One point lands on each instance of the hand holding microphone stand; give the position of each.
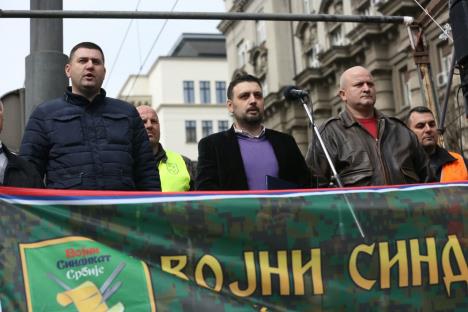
(292, 93)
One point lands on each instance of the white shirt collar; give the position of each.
(248, 134)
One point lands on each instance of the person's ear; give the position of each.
(230, 105)
(342, 95)
(67, 70)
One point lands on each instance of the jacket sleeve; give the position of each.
(35, 145)
(34, 179)
(145, 170)
(207, 168)
(316, 160)
(302, 173)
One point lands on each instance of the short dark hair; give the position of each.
(239, 79)
(86, 45)
(417, 109)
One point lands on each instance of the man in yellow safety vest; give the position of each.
(175, 171)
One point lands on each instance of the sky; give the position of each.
(14, 36)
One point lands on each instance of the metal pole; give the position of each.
(45, 76)
(204, 16)
(335, 173)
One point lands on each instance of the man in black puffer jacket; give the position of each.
(86, 140)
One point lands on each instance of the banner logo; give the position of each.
(79, 274)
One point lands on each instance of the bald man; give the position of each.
(366, 147)
(175, 171)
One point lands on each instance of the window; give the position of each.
(338, 8)
(445, 60)
(220, 92)
(223, 125)
(265, 88)
(336, 37)
(190, 131)
(260, 27)
(445, 56)
(307, 8)
(312, 60)
(364, 11)
(241, 54)
(189, 92)
(207, 128)
(205, 96)
(405, 87)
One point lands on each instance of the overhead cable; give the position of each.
(149, 52)
(120, 47)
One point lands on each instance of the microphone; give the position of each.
(293, 93)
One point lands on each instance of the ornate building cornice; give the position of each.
(237, 6)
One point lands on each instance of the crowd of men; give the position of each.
(86, 140)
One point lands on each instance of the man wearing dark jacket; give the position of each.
(86, 140)
(242, 157)
(367, 147)
(15, 171)
(447, 166)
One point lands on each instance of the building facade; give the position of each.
(187, 89)
(312, 55)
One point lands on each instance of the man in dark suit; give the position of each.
(242, 157)
(15, 171)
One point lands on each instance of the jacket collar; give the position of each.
(161, 154)
(77, 99)
(12, 160)
(348, 120)
(441, 157)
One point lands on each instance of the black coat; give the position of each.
(19, 172)
(220, 165)
(98, 145)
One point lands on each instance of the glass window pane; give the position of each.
(220, 92)
(223, 125)
(205, 96)
(189, 92)
(207, 127)
(191, 131)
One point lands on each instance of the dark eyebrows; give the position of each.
(247, 93)
(420, 124)
(95, 60)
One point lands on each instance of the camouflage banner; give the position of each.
(392, 249)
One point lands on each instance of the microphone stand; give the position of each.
(336, 176)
